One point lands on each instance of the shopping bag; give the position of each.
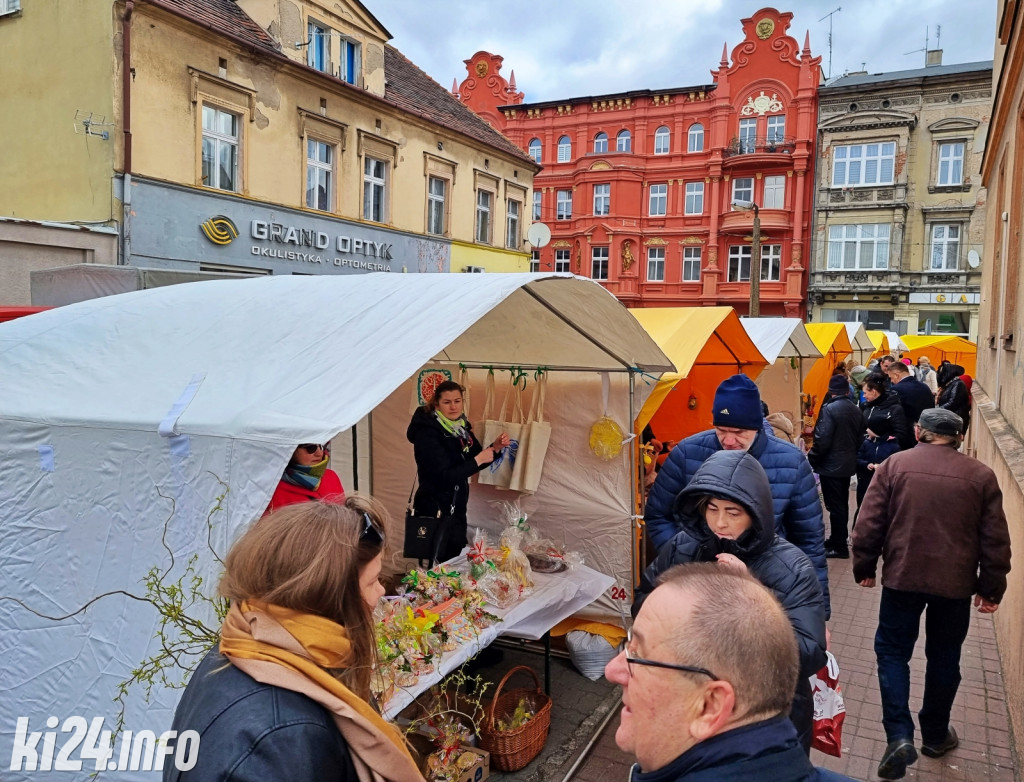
(499, 472)
(829, 709)
(425, 535)
(533, 444)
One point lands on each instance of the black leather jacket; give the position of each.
(837, 438)
(252, 732)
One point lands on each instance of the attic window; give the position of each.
(854, 107)
(954, 98)
(886, 103)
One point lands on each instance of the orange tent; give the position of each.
(833, 341)
(939, 348)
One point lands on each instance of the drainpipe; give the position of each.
(1001, 303)
(126, 124)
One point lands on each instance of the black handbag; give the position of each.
(425, 535)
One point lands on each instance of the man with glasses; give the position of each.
(707, 676)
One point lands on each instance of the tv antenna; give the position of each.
(85, 121)
(829, 16)
(927, 40)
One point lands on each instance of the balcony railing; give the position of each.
(760, 145)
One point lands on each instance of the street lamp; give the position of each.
(755, 257)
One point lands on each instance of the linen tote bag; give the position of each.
(499, 472)
(533, 447)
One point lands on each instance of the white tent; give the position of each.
(861, 343)
(784, 342)
(124, 420)
(895, 343)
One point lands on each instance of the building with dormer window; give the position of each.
(637, 187)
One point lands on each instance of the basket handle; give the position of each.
(501, 685)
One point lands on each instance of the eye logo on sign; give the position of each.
(219, 229)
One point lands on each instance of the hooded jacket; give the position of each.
(442, 467)
(782, 567)
(837, 438)
(795, 501)
(884, 417)
(915, 397)
(953, 393)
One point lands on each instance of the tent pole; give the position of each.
(634, 505)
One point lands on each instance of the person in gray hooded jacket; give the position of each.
(725, 516)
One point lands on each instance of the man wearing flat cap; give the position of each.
(935, 516)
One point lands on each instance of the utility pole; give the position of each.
(755, 267)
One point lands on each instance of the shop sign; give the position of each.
(947, 297)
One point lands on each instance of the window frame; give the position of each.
(747, 140)
(695, 138)
(537, 207)
(564, 149)
(662, 140)
(654, 261)
(772, 134)
(602, 199)
(560, 202)
(958, 150)
(218, 138)
(513, 223)
(624, 141)
(946, 243)
(484, 218)
(535, 149)
(318, 49)
(771, 254)
(657, 199)
(778, 192)
(376, 186)
(327, 169)
(835, 260)
(842, 155)
(601, 143)
(599, 263)
(749, 189)
(563, 258)
(738, 256)
(534, 260)
(692, 196)
(435, 200)
(691, 255)
(349, 60)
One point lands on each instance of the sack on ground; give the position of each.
(829, 709)
(590, 653)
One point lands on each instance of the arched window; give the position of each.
(623, 142)
(695, 138)
(535, 149)
(661, 141)
(601, 142)
(564, 150)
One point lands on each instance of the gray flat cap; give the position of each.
(941, 421)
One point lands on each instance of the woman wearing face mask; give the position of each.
(286, 693)
(447, 454)
(307, 478)
(726, 515)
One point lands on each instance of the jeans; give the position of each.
(946, 623)
(836, 493)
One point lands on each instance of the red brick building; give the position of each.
(637, 186)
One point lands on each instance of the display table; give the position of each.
(556, 596)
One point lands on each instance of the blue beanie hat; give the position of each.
(737, 404)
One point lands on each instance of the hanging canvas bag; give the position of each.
(499, 472)
(533, 446)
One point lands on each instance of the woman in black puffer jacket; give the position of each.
(953, 393)
(726, 515)
(886, 427)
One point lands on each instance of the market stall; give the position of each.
(896, 344)
(707, 345)
(785, 344)
(939, 348)
(833, 341)
(860, 343)
(880, 340)
(165, 418)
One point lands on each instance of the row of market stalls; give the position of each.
(149, 427)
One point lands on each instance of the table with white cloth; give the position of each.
(555, 596)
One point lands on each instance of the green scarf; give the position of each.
(458, 428)
(306, 476)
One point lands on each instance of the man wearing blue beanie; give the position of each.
(737, 418)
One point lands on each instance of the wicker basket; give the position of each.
(511, 750)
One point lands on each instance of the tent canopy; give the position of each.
(833, 340)
(707, 344)
(881, 343)
(860, 342)
(777, 338)
(785, 343)
(939, 348)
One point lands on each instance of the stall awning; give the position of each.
(779, 338)
(860, 342)
(833, 341)
(881, 343)
(939, 348)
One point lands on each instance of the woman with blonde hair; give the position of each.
(286, 694)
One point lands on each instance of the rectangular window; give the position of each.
(774, 192)
(658, 203)
(348, 65)
(748, 135)
(655, 264)
(537, 204)
(771, 262)
(691, 264)
(864, 164)
(483, 216)
(864, 246)
(739, 263)
(946, 247)
(375, 191)
(535, 261)
(319, 172)
(943, 322)
(599, 263)
(743, 190)
(318, 53)
(602, 199)
(437, 193)
(9, 6)
(512, 240)
(951, 164)
(561, 260)
(776, 129)
(694, 198)
(220, 149)
(563, 205)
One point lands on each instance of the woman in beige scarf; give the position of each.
(286, 695)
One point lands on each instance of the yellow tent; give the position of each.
(881, 343)
(939, 348)
(707, 345)
(833, 341)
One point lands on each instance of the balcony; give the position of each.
(759, 150)
(743, 222)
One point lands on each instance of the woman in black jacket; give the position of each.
(953, 393)
(447, 454)
(886, 428)
(726, 515)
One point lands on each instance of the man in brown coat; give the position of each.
(935, 516)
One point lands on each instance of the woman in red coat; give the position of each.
(307, 478)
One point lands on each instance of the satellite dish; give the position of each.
(538, 234)
(973, 259)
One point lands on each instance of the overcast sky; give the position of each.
(570, 48)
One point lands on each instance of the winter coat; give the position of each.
(927, 376)
(837, 437)
(954, 394)
(884, 417)
(443, 471)
(779, 565)
(329, 490)
(914, 397)
(762, 751)
(782, 426)
(935, 516)
(252, 732)
(798, 517)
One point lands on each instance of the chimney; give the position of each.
(933, 57)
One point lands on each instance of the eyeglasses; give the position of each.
(312, 448)
(631, 661)
(370, 533)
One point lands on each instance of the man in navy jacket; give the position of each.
(737, 418)
(915, 398)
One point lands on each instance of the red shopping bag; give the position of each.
(829, 709)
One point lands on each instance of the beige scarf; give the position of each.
(291, 649)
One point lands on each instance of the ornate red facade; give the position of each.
(637, 187)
